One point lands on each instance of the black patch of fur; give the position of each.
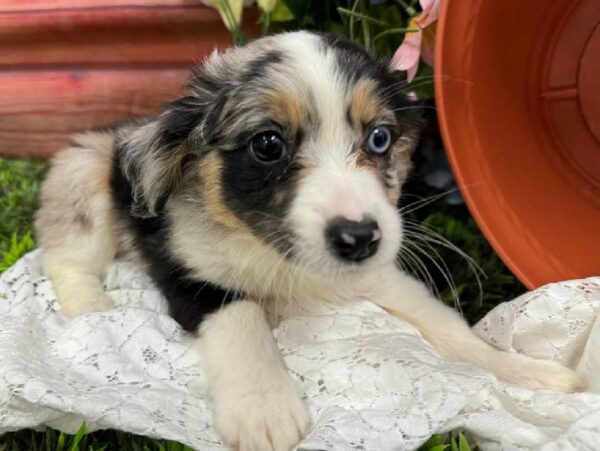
(260, 194)
(181, 117)
(257, 68)
(354, 62)
(189, 299)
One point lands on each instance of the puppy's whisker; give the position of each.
(433, 237)
(415, 107)
(420, 268)
(437, 238)
(413, 206)
(441, 266)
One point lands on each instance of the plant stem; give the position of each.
(393, 31)
(234, 27)
(364, 17)
(351, 20)
(410, 9)
(266, 23)
(366, 30)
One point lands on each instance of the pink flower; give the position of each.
(418, 43)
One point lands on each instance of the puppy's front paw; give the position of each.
(533, 373)
(78, 296)
(262, 419)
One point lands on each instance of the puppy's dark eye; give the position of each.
(267, 147)
(379, 140)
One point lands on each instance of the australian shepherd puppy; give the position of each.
(272, 186)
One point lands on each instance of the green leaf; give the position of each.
(61, 442)
(463, 444)
(77, 437)
(281, 13)
(433, 441)
(453, 444)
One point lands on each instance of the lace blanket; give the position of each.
(371, 382)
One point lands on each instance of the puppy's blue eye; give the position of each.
(267, 147)
(379, 140)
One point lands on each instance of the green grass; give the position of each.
(51, 440)
(19, 185)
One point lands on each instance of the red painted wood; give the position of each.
(39, 110)
(54, 5)
(69, 65)
(125, 34)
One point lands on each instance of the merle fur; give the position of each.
(189, 299)
(250, 188)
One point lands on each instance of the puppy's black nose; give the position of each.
(351, 240)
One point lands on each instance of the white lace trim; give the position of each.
(371, 382)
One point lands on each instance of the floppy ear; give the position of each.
(152, 155)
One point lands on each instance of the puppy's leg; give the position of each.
(444, 328)
(256, 403)
(76, 269)
(75, 225)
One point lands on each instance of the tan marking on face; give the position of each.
(401, 160)
(400, 165)
(287, 108)
(364, 105)
(364, 161)
(210, 175)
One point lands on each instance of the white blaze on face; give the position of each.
(333, 186)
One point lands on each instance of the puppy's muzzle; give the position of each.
(353, 241)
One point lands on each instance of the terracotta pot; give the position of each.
(518, 96)
(69, 66)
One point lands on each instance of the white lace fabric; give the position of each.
(370, 381)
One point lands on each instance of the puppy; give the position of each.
(272, 185)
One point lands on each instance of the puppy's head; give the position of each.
(300, 140)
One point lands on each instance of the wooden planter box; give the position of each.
(68, 66)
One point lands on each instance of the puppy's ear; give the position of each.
(152, 155)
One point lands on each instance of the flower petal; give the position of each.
(412, 72)
(431, 9)
(235, 6)
(408, 53)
